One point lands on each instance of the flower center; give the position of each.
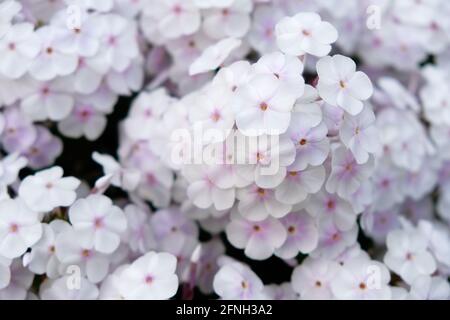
(98, 223)
(84, 114)
(261, 192)
(45, 91)
(244, 285)
(291, 229)
(112, 40)
(362, 286)
(151, 180)
(385, 183)
(330, 204)
(318, 284)
(49, 50)
(148, 279)
(259, 156)
(256, 228)
(12, 46)
(34, 151)
(342, 84)
(302, 142)
(263, 106)
(14, 228)
(86, 253)
(177, 9)
(306, 33)
(434, 26)
(215, 116)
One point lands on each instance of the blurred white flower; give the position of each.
(98, 222)
(305, 33)
(47, 190)
(20, 228)
(341, 85)
(151, 276)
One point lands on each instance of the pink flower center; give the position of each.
(148, 279)
(434, 26)
(84, 114)
(81, 63)
(98, 223)
(263, 106)
(34, 151)
(331, 204)
(177, 9)
(215, 116)
(336, 236)
(86, 253)
(259, 156)
(12, 46)
(261, 193)
(385, 183)
(148, 113)
(112, 41)
(45, 91)
(13, 228)
(268, 33)
(151, 180)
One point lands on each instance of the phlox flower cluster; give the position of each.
(312, 134)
